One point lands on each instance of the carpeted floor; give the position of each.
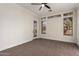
(42, 47)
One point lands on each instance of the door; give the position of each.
(34, 28)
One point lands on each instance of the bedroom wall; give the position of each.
(78, 26)
(16, 25)
(54, 30)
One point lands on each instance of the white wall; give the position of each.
(16, 25)
(54, 30)
(78, 26)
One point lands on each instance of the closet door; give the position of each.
(55, 28)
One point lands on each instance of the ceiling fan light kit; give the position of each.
(43, 5)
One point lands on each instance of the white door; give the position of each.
(55, 28)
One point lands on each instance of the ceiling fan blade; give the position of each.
(35, 3)
(47, 6)
(40, 8)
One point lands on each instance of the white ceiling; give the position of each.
(56, 7)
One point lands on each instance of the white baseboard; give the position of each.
(15, 45)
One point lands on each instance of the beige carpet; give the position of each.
(42, 47)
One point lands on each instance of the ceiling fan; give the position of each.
(42, 5)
